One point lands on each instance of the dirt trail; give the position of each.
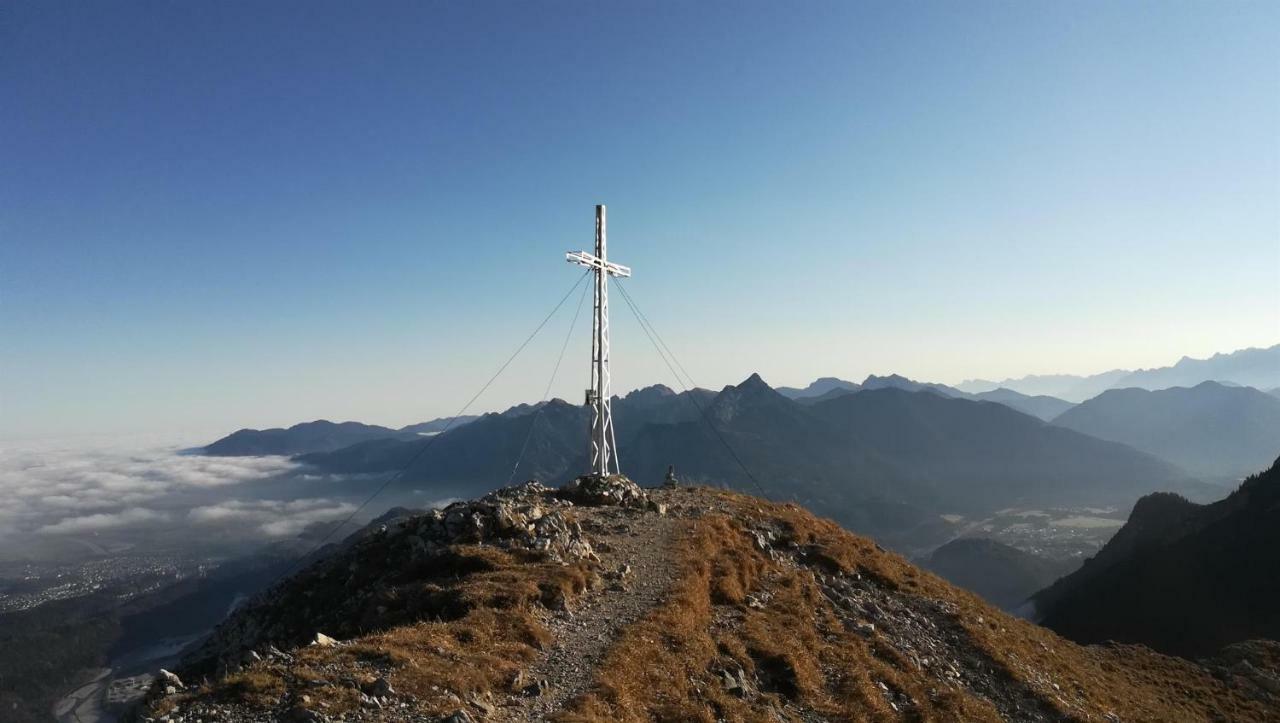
(639, 543)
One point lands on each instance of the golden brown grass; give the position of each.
(436, 662)
(666, 667)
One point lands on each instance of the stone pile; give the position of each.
(530, 516)
(595, 490)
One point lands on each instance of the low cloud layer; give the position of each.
(274, 518)
(103, 521)
(61, 490)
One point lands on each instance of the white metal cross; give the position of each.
(602, 446)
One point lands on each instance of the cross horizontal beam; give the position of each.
(595, 262)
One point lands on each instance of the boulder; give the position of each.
(170, 679)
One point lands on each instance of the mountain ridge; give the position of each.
(320, 435)
(884, 461)
(1213, 431)
(670, 604)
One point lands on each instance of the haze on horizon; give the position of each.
(239, 215)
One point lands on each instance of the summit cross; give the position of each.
(602, 447)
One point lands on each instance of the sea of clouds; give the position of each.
(88, 486)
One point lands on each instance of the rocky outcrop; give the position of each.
(581, 604)
(390, 574)
(595, 490)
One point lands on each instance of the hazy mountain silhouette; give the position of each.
(318, 436)
(1003, 575)
(1044, 407)
(819, 387)
(1182, 578)
(1210, 430)
(1041, 406)
(1258, 368)
(897, 381)
(321, 436)
(1070, 387)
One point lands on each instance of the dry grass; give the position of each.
(254, 687)
(492, 632)
(667, 667)
(797, 646)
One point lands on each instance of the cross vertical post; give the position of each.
(602, 445)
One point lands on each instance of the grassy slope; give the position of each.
(660, 669)
(803, 652)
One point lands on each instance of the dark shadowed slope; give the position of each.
(1210, 430)
(1002, 575)
(1182, 578)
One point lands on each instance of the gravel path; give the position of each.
(635, 550)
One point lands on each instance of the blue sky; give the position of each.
(216, 215)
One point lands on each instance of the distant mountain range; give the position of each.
(886, 456)
(1182, 578)
(1069, 387)
(1044, 407)
(1257, 368)
(318, 436)
(1003, 575)
(819, 387)
(882, 460)
(1210, 430)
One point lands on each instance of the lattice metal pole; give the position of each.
(602, 444)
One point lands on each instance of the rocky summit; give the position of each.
(600, 601)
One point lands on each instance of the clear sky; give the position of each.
(225, 214)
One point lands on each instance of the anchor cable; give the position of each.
(659, 345)
(423, 450)
(547, 393)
